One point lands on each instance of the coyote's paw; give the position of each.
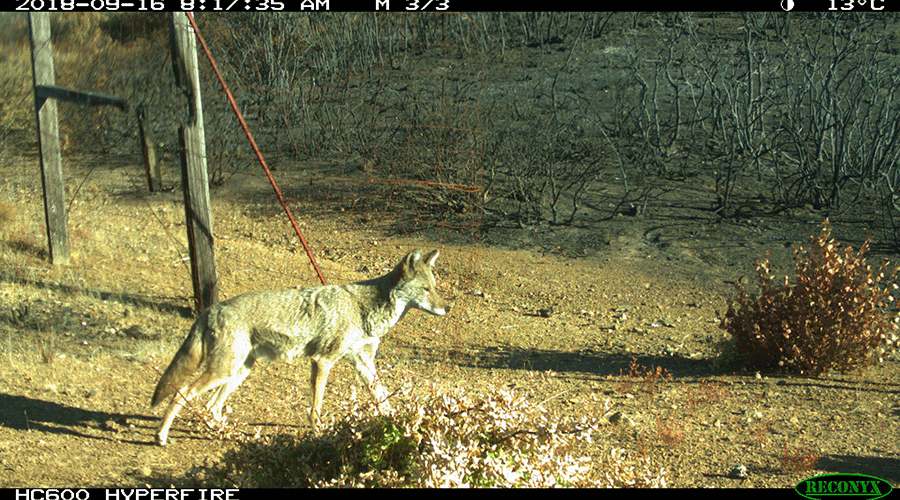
(214, 423)
(383, 407)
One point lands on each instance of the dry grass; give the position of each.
(643, 379)
(798, 459)
(440, 439)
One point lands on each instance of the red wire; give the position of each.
(259, 155)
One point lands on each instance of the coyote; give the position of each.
(325, 323)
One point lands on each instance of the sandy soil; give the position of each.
(575, 316)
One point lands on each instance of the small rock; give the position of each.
(738, 472)
(621, 418)
(136, 332)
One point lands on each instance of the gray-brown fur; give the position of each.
(324, 323)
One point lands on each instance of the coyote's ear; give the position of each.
(409, 263)
(431, 257)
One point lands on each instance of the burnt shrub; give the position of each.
(836, 314)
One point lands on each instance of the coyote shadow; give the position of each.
(887, 468)
(585, 363)
(28, 414)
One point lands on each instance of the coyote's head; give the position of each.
(416, 286)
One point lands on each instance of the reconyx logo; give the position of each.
(828, 486)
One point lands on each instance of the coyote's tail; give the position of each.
(183, 365)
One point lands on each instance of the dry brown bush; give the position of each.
(835, 315)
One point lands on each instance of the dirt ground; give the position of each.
(575, 316)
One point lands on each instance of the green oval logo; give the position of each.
(828, 486)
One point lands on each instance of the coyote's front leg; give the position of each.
(364, 362)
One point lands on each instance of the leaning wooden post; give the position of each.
(48, 139)
(193, 165)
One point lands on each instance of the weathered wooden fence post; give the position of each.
(193, 164)
(48, 139)
(45, 96)
(151, 163)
